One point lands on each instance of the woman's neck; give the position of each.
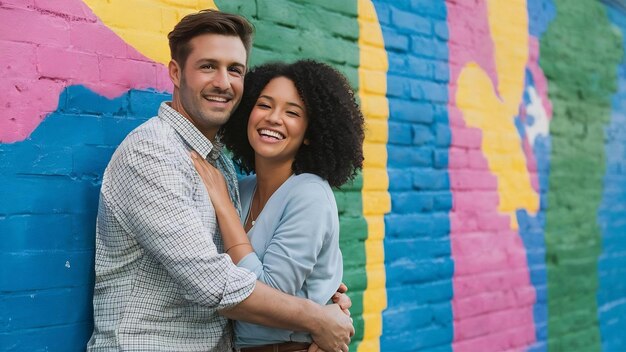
(269, 177)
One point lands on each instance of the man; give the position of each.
(162, 282)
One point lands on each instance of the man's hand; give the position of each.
(334, 331)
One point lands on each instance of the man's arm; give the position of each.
(330, 328)
(151, 191)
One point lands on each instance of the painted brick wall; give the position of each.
(490, 212)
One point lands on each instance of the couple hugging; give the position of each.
(182, 246)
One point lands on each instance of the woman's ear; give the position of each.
(306, 141)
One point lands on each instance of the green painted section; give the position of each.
(579, 54)
(324, 30)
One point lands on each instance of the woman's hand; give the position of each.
(213, 180)
(235, 238)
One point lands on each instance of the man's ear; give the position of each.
(175, 73)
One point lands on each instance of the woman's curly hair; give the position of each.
(335, 123)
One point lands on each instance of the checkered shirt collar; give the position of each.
(189, 132)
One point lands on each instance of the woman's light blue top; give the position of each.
(296, 248)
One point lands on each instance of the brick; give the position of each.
(440, 159)
(410, 22)
(347, 8)
(476, 200)
(22, 4)
(399, 133)
(411, 202)
(432, 292)
(416, 248)
(18, 60)
(128, 73)
(473, 180)
(417, 340)
(409, 156)
(96, 38)
(429, 91)
(443, 201)
(282, 12)
(45, 308)
(429, 47)
(409, 111)
(34, 159)
(54, 338)
(422, 135)
(55, 62)
(395, 41)
(441, 71)
(470, 138)
(441, 30)
(63, 269)
(408, 318)
(399, 179)
(75, 10)
(429, 8)
(406, 272)
(29, 26)
(397, 87)
(443, 136)
(431, 180)
(27, 195)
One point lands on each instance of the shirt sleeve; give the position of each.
(300, 235)
(152, 193)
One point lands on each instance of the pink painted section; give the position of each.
(493, 296)
(47, 46)
(540, 80)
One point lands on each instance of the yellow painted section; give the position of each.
(493, 109)
(376, 199)
(144, 24)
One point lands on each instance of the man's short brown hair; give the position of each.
(207, 22)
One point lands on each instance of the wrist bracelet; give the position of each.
(235, 245)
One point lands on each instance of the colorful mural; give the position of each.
(489, 215)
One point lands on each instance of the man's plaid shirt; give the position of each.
(161, 275)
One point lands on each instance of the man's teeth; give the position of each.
(271, 133)
(218, 99)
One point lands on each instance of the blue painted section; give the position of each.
(540, 14)
(532, 226)
(49, 186)
(418, 262)
(612, 214)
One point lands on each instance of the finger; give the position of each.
(342, 288)
(347, 312)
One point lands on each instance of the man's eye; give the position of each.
(207, 67)
(236, 70)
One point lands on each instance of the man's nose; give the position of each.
(221, 79)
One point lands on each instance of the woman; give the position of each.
(299, 129)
